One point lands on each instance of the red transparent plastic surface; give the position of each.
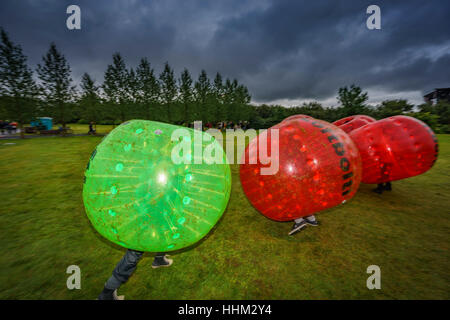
(351, 123)
(297, 116)
(395, 148)
(319, 168)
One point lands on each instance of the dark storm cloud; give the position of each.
(280, 49)
(295, 50)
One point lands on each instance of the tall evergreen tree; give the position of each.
(16, 82)
(202, 91)
(186, 94)
(116, 87)
(218, 97)
(169, 89)
(133, 93)
(242, 99)
(218, 87)
(241, 95)
(91, 108)
(148, 88)
(228, 91)
(202, 87)
(56, 84)
(227, 99)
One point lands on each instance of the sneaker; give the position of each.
(388, 186)
(116, 297)
(314, 223)
(161, 262)
(108, 295)
(297, 227)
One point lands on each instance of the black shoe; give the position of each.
(379, 189)
(108, 294)
(297, 227)
(161, 262)
(388, 186)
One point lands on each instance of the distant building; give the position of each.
(442, 94)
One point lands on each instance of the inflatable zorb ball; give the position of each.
(297, 116)
(136, 196)
(351, 123)
(319, 167)
(395, 148)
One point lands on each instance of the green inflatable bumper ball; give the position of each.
(148, 187)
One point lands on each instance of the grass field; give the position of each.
(77, 128)
(44, 229)
(84, 128)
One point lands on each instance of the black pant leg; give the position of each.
(124, 269)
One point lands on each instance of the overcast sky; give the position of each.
(286, 52)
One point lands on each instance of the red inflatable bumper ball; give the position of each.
(297, 116)
(395, 148)
(313, 166)
(351, 123)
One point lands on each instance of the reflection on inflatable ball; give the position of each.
(137, 197)
(297, 116)
(395, 148)
(351, 123)
(319, 167)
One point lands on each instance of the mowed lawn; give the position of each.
(77, 128)
(44, 229)
(84, 128)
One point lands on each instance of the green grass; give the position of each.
(43, 230)
(77, 128)
(84, 128)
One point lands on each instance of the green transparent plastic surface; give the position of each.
(138, 198)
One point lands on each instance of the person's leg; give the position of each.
(379, 189)
(123, 270)
(388, 186)
(161, 261)
(299, 224)
(311, 220)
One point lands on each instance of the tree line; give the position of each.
(352, 101)
(125, 93)
(139, 93)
